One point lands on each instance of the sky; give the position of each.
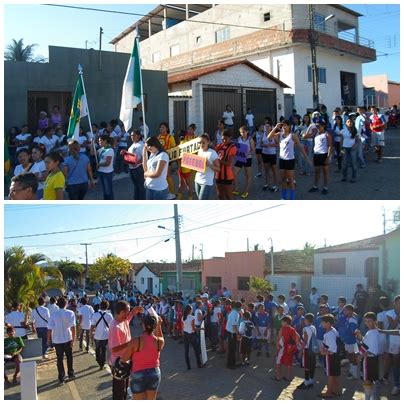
(46, 25)
(290, 226)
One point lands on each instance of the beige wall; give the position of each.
(394, 93)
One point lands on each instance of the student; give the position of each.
(24, 158)
(85, 314)
(231, 334)
(281, 302)
(228, 117)
(393, 317)
(323, 310)
(377, 126)
(270, 149)
(298, 320)
(39, 168)
(249, 121)
(245, 330)
(279, 314)
(314, 299)
(258, 137)
(310, 349)
(349, 145)
(332, 363)
(263, 329)
(190, 336)
(40, 318)
(55, 180)
(383, 324)
(13, 347)
(105, 166)
(369, 350)
(214, 324)
(339, 313)
(18, 320)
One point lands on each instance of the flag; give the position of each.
(78, 111)
(131, 89)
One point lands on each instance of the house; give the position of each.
(33, 87)
(381, 91)
(275, 37)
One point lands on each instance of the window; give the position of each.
(142, 281)
(243, 282)
(174, 50)
(222, 35)
(267, 17)
(334, 266)
(172, 283)
(188, 283)
(214, 283)
(198, 39)
(156, 57)
(322, 74)
(319, 22)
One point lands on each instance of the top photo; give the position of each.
(202, 102)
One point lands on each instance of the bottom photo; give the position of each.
(202, 301)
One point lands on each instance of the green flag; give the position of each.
(78, 111)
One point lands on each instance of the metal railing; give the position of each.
(350, 37)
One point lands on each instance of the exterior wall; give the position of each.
(393, 260)
(104, 88)
(281, 284)
(196, 276)
(146, 273)
(233, 265)
(381, 85)
(394, 94)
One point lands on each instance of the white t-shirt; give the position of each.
(39, 167)
(40, 322)
(15, 318)
(197, 313)
(314, 299)
(23, 137)
(330, 340)
(228, 117)
(250, 119)
(52, 308)
(20, 169)
(311, 332)
(102, 157)
(49, 143)
(83, 139)
(86, 312)
(371, 339)
(60, 323)
(347, 138)
(394, 340)
(285, 308)
(137, 149)
(101, 332)
(123, 141)
(207, 177)
(188, 324)
(214, 318)
(159, 183)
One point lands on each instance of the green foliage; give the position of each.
(259, 285)
(70, 269)
(17, 52)
(308, 249)
(24, 279)
(108, 268)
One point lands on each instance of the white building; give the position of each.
(146, 279)
(179, 38)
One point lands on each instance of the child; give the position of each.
(286, 345)
(347, 331)
(297, 303)
(298, 321)
(339, 313)
(55, 181)
(393, 317)
(383, 324)
(369, 349)
(245, 331)
(332, 363)
(323, 310)
(278, 319)
(263, 330)
(281, 302)
(309, 355)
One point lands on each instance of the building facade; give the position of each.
(381, 91)
(274, 37)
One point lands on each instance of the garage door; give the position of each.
(180, 116)
(262, 104)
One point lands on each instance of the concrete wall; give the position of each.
(394, 94)
(104, 88)
(281, 284)
(393, 260)
(145, 273)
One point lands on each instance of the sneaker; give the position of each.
(171, 196)
(324, 191)
(265, 187)
(236, 193)
(244, 195)
(274, 189)
(313, 189)
(72, 376)
(258, 175)
(395, 391)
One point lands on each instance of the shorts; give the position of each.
(352, 348)
(332, 365)
(394, 346)
(144, 380)
(370, 368)
(14, 358)
(269, 159)
(308, 359)
(286, 164)
(245, 346)
(248, 163)
(224, 182)
(261, 331)
(258, 151)
(319, 159)
(377, 139)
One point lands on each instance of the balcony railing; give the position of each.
(350, 37)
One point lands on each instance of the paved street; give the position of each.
(375, 182)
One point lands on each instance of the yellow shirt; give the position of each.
(167, 141)
(53, 182)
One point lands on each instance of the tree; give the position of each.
(69, 269)
(109, 268)
(259, 285)
(308, 249)
(17, 52)
(25, 279)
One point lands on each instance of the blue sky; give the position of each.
(290, 226)
(45, 25)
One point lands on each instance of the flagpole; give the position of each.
(88, 111)
(141, 85)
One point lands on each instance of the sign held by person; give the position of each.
(193, 162)
(188, 147)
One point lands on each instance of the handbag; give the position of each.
(121, 370)
(130, 158)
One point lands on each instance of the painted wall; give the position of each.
(195, 276)
(393, 260)
(394, 94)
(145, 273)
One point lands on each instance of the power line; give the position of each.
(145, 249)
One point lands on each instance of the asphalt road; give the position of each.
(374, 182)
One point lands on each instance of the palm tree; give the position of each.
(17, 52)
(24, 279)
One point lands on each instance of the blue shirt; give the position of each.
(347, 330)
(232, 320)
(77, 169)
(340, 316)
(262, 320)
(270, 306)
(319, 330)
(293, 309)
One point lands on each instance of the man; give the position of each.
(40, 319)
(17, 320)
(12, 348)
(226, 293)
(62, 330)
(377, 126)
(85, 313)
(231, 334)
(52, 306)
(361, 122)
(99, 328)
(314, 298)
(119, 336)
(23, 187)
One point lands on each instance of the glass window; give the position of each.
(334, 266)
(319, 22)
(222, 35)
(322, 74)
(243, 282)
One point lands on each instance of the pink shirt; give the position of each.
(119, 333)
(148, 357)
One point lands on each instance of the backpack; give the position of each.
(313, 346)
(249, 326)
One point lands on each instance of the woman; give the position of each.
(287, 142)
(105, 166)
(55, 180)
(247, 143)
(186, 175)
(258, 135)
(338, 128)
(228, 117)
(78, 172)
(349, 144)
(219, 132)
(145, 354)
(323, 147)
(25, 166)
(224, 178)
(155, 169)
(136, 168)
(204, 181)
(190, 336)
(269, 153)
(39, 168)
(307, 144)
(43, 121)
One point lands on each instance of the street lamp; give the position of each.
(272, 256)
(314, 68)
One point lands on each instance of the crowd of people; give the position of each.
(296, 336)
(46, 163)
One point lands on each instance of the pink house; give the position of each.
(387, 92)
(233, 271)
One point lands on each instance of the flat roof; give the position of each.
(346, 9)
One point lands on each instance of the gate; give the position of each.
(180, 116)
(262, 104)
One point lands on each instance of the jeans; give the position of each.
(87, 339)
(153, 195)
(106, 183)
(191, 339)
(42, 332)
(119, 162)
(137, 177)
(61, 350)
(349, 161)
(214, 335)
(101, 351)
(77, 191)
(119, 389)
(337, 147)
(203, 191)
(231, 348)
(145, 380)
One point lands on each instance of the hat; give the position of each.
(205, 295)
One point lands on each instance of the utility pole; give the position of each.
(314, 69)
(99, 61)
(384, 253)
(202, 257)
(192, 255)
(178, 249)
(86, 270)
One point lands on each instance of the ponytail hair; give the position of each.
(150, 324)
(187, 311)
(55, 156)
